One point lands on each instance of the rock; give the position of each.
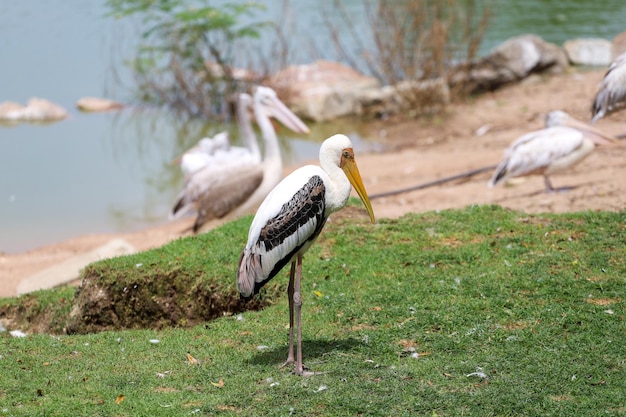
(426, 96)
(10, 110)
(95, 104)
(511, 61)
(70, 269)
(36, 110)
(39, 109)
(379, 102)
(323, 90)
(590, 51)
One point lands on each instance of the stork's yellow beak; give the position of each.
(352, 172)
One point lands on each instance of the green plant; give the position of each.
(185, 60)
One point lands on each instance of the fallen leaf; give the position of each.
(120, 398)
(192, 360)
(407, 343)
(402, 323)
(226, 408)
(317, 293)
(219, 384)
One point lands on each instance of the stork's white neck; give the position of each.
(338, 190)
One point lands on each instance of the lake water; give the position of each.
(95, 173)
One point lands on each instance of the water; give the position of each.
(556, 20)
(95, 173)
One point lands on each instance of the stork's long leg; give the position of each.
(290, 293)
(297, 298)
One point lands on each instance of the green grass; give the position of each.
(510, 314)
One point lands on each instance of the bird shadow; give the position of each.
(543, 191)
(312, 351)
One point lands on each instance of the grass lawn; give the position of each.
(474, 312)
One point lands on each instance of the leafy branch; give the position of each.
(185, 60)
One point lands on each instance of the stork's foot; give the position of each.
(306, 372)
(288, 362)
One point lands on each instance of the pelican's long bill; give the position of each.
(278, 110)
(349, 167)
(598, 137)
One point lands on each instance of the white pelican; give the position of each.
(290, 219)
(203, 153)
(611, 95)
(561, 118)
(217, 151)
(562, 144)
(236, 180)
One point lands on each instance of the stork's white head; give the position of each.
(331, 149)
(336, 152)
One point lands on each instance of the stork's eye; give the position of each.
(346, 154)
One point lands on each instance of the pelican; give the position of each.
(611, 95)
(203, 153)
(236, 179)
(561, 118)
(562, 144)
(217, 151)
(290, 219)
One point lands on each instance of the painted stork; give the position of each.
(562, 144)
(235, 179)
(290, 219)
(611, 95)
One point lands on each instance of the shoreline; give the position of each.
(16, 267)
(469, 135)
